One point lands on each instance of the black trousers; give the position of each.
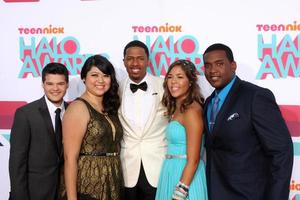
(143, 190)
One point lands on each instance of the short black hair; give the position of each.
(136, 43)
(55, 68)
(219, 46)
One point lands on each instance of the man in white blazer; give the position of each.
(144, 122)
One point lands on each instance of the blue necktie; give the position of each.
(214, 112)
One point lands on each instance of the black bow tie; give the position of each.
(134, 87)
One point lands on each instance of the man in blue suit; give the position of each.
(249, 148)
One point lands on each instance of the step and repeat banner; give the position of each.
(264, 37)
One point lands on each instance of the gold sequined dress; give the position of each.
(99, 167)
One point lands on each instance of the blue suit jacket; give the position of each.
(249, 151)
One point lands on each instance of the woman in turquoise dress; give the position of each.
(183, 171)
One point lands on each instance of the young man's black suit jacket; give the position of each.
(35, 158)
(249, 151)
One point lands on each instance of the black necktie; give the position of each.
(58, 128)
(134, 87)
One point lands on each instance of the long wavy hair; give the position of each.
(194, 93)
(111, 99)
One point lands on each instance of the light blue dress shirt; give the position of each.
(222, 94)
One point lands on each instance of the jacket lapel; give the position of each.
(156, 102)
(66, 105)
(122, 116)
(228, 103)
(208, 100)
(47, 119)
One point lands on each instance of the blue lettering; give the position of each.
(262, 46)
(267, 67)
(44, 47)
(30, 48)
(287, 45)
(62, 46)
(28, 67)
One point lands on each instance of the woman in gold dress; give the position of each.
(91, 136)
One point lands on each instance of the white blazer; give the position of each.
(148, 146)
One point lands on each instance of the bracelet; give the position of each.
(178, 195)
(180, 192)
(183, 186)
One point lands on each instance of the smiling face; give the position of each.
(218, 69)
(55, 87)
(178, 83)
(136, 62)
(96, 82)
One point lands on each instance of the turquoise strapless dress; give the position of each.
(172, 168)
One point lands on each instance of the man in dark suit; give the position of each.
(36, 147)
(249, 148)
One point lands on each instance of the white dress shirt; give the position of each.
(138, 105)
(52, 108)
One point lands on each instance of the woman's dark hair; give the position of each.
(111, 99)
(194, 90)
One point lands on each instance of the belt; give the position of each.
(169, 156)
(100, 154)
